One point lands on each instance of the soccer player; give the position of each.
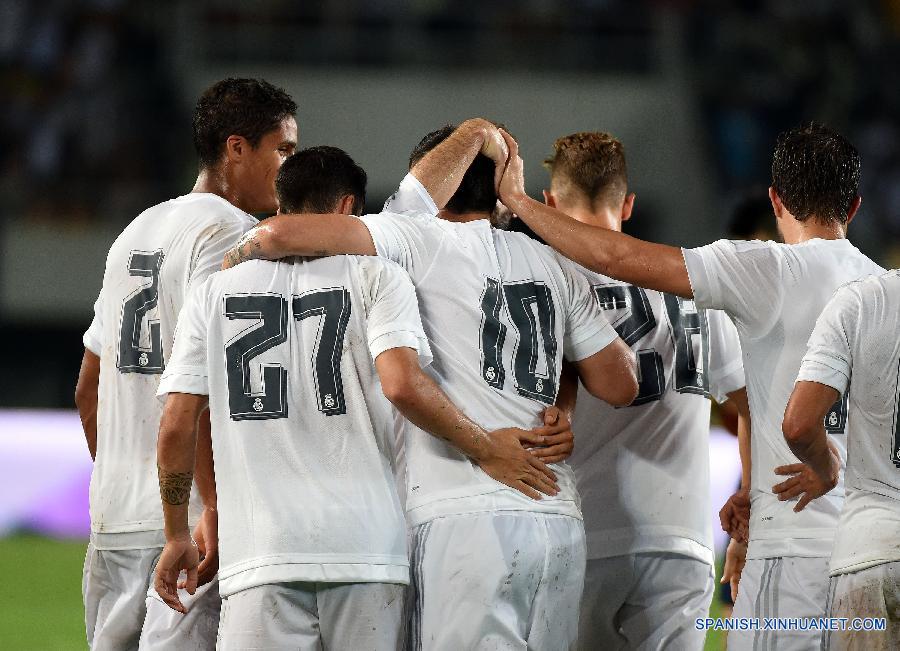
(243, 130)
(490, 567)
(643, 470)
(854, 347)
(773, 293)
(313, 539)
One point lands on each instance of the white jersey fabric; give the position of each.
(643, 470)
(300, 428)
(500, 311)
(774, 293)
(855, 344)
(150, 268)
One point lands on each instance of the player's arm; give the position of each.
(499, 453)
(559, 440)
(440, 171)
(86, 398)
(175, 452)
(206, 533)
(734, 516)
(610, 374)
(645, 264)
(804, 430)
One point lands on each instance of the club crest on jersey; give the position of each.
(832, 419)
(539, 386)
(490, 374)
(143, 360)
(329, 400)
(258, 404)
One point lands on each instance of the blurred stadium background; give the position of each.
(95, 126)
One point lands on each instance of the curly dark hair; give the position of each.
(237, 107)
(476, 192)
(815, 172)
(314, 179)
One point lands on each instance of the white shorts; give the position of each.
(507, 580)
(789, 586)
(872, 592)
(114, 587)
(645, 601)
(166, 629)
(314, 616)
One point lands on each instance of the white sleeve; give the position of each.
(187, 369)
(726, 366)
(411, 198)
(410, 241)
(393, 319)
(587, 329)
(93, 336)
(213, 245)
(829, 357)
(741, 278)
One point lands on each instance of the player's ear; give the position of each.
(549, 199)
(627, 206)
(777, 206)
(236, 147)
(346, 204)
(854, 207)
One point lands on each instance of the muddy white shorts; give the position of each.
(870, 593)
(314, 616)
(196, 630)
(645, 601)
(497, 580)
(114, 587)
(785, 587)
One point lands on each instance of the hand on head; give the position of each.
(512, 183)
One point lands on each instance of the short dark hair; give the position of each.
(815, 172)
(314, 179)
(591, 162)
(237, 107)
(476, 192)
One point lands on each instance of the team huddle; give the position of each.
(418, 429)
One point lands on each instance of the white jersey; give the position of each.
(500, 311)
(774, 293)
(855, 345)
(301, 430)
(643, 470)
(150, 267)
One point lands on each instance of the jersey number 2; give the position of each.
(134, 358)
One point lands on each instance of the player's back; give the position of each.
(301, 429)
(774, 293)
(683, 353)
(870, 521)
(499, 310)
(148, 271)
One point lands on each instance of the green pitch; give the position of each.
(40, 594)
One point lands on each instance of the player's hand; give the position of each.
(512, 184)
(206, 535)
(735, 559)
(559, 441)
(507, 461)
(806, 482)
(734, 516)
(179, 554)
(495, 148)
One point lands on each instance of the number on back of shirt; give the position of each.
(689, 374)
(532, 313)
(137, 354)
(269, 313)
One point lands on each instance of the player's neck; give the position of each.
(462, 217)
(215, 181)
(797, 232)
(602, 218)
